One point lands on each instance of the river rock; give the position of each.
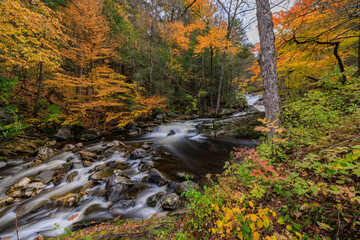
(145, 146)
(115, 143)
(172, 115)
(153, 199)
(101, 175)
(65, 168)
(72, 176)
(6, 201)
(15, 194)
(160, 116)
(87, 163)
(184, 175)
(170, 202)
(137, 153)
(156, 177)
(35, 163)
(171, 133)
(88, 134)
(64, 133)
(45, 176)
(146, 166)
(34, 188)
(89, 156)
(98, 168)
(67, 201)
(57, 179)
(23, 183)
(185, 186)
(44, 153)
(87, 185)
(69, 147)
(124, 203)
(116, 186)
(2, 164)
(109, 152)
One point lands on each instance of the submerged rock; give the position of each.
(137, 153)
(170, 202)
(153, 199)
(124, 203)
(157, 177)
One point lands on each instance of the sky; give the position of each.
(252, 31)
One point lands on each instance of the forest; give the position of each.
(77, 76)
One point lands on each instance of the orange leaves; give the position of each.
(215, 37)
(73, 217)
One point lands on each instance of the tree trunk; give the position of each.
(211, 78)
(221, 82)
(151, 68)
(267, 61)
(39, 87)
(78, 73)
(231, 76)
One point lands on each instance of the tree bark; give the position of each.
(231, 76)
(39, 86)
(267, 61)
(220, 83)
(211, 78)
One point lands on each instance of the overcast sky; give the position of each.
(252, 31)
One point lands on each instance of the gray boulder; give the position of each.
(45, 176)
(185, 186)
(64, 133)
(157, 177)
(153, 199)
(116, 186)
(137, 153)
(170, 202)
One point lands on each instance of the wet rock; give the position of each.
(116, 186)
(88, 134)
(89, 156)
(111, 164)
(156, 177)
(67, 201)
(72, 176)
(35, 163)
(172, 115)
(115, 143)
(101, 158)
(23, 183)
(170, 202)
(79, 145)
(45, 176)
(98, 168)
(185, 186)
(157, 159)
(137, 153)
(101, 175)
(87, 163)
(2, 164)
(52, 143)
(87, 185)
(6, 201)
(64, 133)
(17, 147)
(34, 188)
(171, 133)
(15, 194)
(146, 166)
(160, 116)
(124, 203)
(145, 146)
(65, 168)
(69, 147)
(44, 153)
(109, 152)
(153, 199)
(184, 176)
(57, 179)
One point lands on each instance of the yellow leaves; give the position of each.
(256, 236)
(251, 205)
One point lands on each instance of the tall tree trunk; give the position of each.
(221, 82)
(203, 80)
(231, 76)
(151, 68)
(39, 87)
(78, 73)
(267, 61)
(211, 78)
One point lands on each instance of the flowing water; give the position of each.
(179, 145)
